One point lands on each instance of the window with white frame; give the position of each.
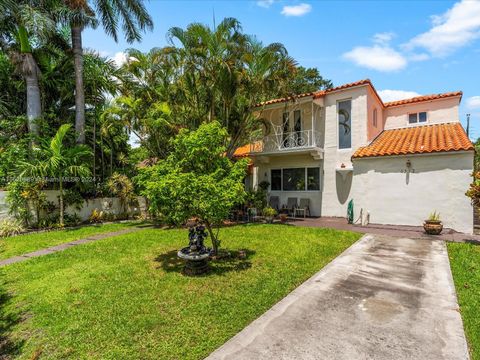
(419, 117)
(295, 179)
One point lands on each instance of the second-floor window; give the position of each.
(419, 117)
(374, 117)
(344, 124)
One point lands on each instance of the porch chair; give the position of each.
(274, 202)
(292, 205)
(303, 208)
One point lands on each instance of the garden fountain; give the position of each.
(195, 254)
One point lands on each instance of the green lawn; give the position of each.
(465, 264)
(18, 245)
(125, 298)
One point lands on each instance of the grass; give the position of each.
(21, 244)
(465, 265)
(125, 297)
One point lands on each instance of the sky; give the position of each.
(405, 48)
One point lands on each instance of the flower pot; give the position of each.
(433, 227)
(269, 219)
(283, 218)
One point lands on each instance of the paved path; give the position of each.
(65, 246)
(384, 298)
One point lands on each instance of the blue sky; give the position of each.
(407, 47)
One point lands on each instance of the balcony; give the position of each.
(306, 141)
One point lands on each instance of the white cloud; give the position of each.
(450, 31)
(380, 56)
(296, 10)
(383, 38)
(377, 57)
(473, 102)
(393, 95)
(265, 3)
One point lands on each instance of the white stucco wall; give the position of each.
(110, 205)
(336, 191)
(438, 111)
(382, 187)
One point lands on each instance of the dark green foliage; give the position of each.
(196, 179)
(308, 80)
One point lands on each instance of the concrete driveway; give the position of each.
(383, 298)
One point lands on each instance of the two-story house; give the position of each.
(398, 161)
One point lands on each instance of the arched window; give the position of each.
(375, 117)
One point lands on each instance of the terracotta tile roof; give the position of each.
(284, 99)
(242, 151)
(416, 140)
(423, 98)
(321, 93)
(316, 94)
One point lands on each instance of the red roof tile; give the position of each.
(316, 94)
(321, 93)
(418, 140)
(423, 98)
(242, 151)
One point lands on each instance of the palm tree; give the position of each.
(134, 18)
(22, 24)
(58, 161)
(225, 73)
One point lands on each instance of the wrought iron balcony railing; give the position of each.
(286, 142)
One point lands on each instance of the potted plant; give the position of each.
(433, 225)
(269, 214)
(283, 217)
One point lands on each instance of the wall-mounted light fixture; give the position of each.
(409, 164)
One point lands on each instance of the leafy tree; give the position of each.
(58, 161)
(308, 80)
(84, 13)
(196, 180)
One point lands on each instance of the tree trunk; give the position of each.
(60, 182)
(212, 237)
(34, 105)
(79, 90)
(30, 72)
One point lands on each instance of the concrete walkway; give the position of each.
(384, 298)
(64, 246)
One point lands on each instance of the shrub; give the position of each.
(10, 227)
(122, 187)
(269, 211)
(96, 216)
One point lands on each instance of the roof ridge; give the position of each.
(422, 98)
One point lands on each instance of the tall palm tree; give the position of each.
(21, 25)
(58, 161)
(84, 13)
